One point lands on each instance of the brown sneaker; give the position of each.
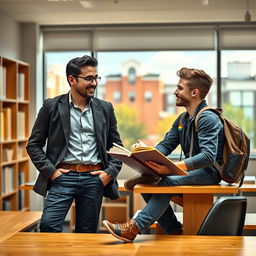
(139, 179)
(124, 231)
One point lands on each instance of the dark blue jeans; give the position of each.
(86, 189)
(158, 205)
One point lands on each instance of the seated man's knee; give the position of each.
(167, 181)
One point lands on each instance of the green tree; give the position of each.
(129, 127)
(165, 124)
(237, 116)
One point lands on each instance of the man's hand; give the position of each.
(58, 172)
(105, 177)
(139, 143)
(159, 168)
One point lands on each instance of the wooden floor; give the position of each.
(67, 244)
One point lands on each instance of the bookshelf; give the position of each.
(14, 133)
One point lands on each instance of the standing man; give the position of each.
(208, 144)
(79, 129)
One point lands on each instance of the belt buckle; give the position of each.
(77, 168)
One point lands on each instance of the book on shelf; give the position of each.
(7, 123)
(20, 151)
(7, 205)
(8, 154)
(2, 126)
(136, 160)
(2, 82)
(7, 180)
(21, 125)
(21, 86)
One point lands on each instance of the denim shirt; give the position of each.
(208, 143)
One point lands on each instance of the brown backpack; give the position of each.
(236, 149)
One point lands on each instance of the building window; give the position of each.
(239, 90)
(131, 96)
(117, 97)
(148, 96)
(132, 75)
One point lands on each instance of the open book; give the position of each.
(136, 160)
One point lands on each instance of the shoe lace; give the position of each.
(126, 226)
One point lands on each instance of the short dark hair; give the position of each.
(197, 79)
(74, 66)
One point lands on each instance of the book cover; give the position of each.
(136, 160)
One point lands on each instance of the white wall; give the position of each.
(31, 52)
(9, 37)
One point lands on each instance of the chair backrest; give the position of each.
(225, 218)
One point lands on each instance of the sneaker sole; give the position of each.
(132, 182)
(105, 223)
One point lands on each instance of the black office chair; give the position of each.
(225, 218)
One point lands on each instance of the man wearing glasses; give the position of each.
(79, 129)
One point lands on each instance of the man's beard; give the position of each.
(181, 102)
(85, 95)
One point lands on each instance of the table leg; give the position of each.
(195, 209)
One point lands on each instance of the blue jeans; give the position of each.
(86, 189)
(158, 205)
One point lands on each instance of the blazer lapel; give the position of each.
(64, 112)
(97, 119)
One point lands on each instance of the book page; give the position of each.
(117, 149)
(142, 149)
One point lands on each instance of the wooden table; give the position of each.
(12, 222)
(248, 188)
(59, 244)
(197, 201)
(30, 185)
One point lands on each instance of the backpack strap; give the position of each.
(217, 111)
(180, 130)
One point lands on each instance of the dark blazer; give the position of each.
(53, 125)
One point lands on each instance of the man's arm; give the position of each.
(114, 165)
(209, 126)
(37, 141)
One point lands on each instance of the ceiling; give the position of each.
(65, 12)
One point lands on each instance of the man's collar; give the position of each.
(71, 102)
(201, 105)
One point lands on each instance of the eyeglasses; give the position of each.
(89, 79)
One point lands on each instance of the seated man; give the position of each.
(208, 144)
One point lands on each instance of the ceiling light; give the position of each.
(247, 16)
(60, 0)
(86, 4)
(205, 2)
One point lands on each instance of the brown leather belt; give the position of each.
(81, 167)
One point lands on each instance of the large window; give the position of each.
(55, 67)
(140, 82)
(147, 109)
(239, 90)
